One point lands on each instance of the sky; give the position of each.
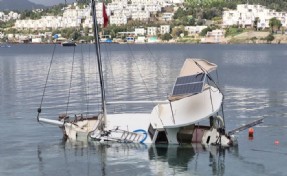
(50, 2)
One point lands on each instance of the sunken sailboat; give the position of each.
(195, 98)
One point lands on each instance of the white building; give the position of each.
(153, 8)
(215, 36)
(141, 15)
(1, 35)
(177, 1)
(152, 31)
(132, 9)
(118, 20)
(10, 16)
(167, 16)
(245, 15)
(194, 29)
(164, 29)
(140, 31)
(72, 18)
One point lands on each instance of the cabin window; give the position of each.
(151, 131)
(208, 139)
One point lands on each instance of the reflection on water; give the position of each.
(134, 159)
(253, 78)
(246, 101)
(242, 58)
(248, 104)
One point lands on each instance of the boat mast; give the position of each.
(99, 60)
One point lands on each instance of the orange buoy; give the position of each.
(250, 132)
(276, 142)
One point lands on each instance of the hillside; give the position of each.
(7, 5)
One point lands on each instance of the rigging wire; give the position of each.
(114, 86)
(157, 64)
(90, 92)
(86, 83)
(88, 86)
(145, 84)
(71, 78)
(47, 78)
(158, 67)
(97, 88)
(208, 75)
(39, 110)
(222, 101)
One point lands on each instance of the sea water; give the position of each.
(252, 78)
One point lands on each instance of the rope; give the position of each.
(40, 108)
(71, 78)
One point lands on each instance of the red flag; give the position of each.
(105, 16)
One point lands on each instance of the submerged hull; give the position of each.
(176, 122)
(136, 128)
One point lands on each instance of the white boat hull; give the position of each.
(135, 128)
(187, 111)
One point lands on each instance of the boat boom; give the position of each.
(244, 127)
(51, 122)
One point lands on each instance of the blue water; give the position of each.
(252, 77)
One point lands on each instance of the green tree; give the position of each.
(205, 30)
(269, 38)
(210, 13)
(232, 31)
(75, 35)
(179, 13)
(166, 37)
(176, 31)
(7, 24)
(274, 23)
(253, 39)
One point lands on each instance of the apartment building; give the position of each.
(214, 36)
(191, 30)
(167, 16)
(140, 31)
(152, 31)
(119, 12)
(164, 29)
(245, 15)
(10, 16)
